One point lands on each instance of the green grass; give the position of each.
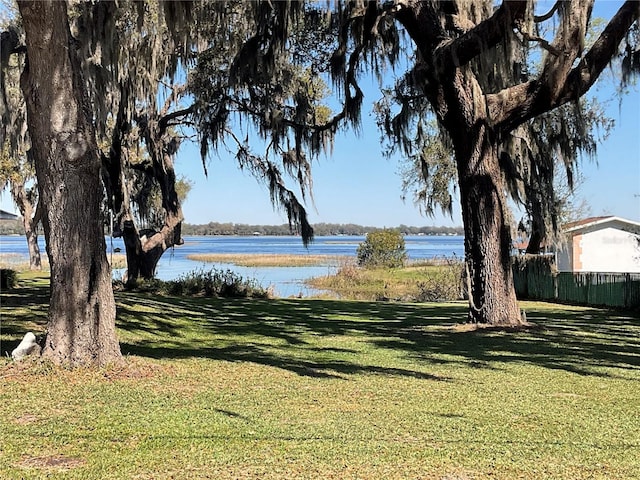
(439, 280)
(237, 388)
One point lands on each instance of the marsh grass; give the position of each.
(265, 260)
(8, 260)
(237, 388)
(18, 262)
(117, 260)
(428, 280)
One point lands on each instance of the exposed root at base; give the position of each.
(488, 327)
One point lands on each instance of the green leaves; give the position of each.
(384, 248)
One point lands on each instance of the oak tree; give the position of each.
(81, 316)
(469, 62)
(17, 173)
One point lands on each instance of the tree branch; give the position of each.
(176, 92)
(584, 75)
(164, 120)
(487, 34)
(541, 41)
(37, 216)
(548, 15)
(515, 105)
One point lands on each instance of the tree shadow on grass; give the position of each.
(262, 355)
(23, 309)
(585, 342)
(283, 333)
(29, 293)
(327, 338)
(278, 333)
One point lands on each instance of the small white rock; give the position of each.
(28, 346)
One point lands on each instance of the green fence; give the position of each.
(607, 289)
(535, 279)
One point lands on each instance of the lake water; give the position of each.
(286, 281)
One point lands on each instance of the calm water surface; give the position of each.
(286, 281)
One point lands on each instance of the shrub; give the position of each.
(382, 248)
(8, 279)
(211, 283)
(215, 283)
(444, 283)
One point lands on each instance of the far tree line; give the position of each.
(15, 227)
(320, 229)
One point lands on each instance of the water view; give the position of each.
(286, 281)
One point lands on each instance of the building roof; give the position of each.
(7, 216)
(599, 222)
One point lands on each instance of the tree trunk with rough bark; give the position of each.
(534, 247)
(30, 221)
(459, 102)
(31, 233)
(145, 248)
(492, 297)
(81, 318)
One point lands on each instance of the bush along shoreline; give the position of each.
(203, 283)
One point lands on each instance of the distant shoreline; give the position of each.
(14, 227)
(320, 230)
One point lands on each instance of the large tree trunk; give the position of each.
(81, 321)
(492, 298)
(459, 103)
(537, 214)
(534, 247)
(145, 250)
(450, 40)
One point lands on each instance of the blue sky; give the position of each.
(356, 184)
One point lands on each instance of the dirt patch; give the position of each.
(57, 462)
(478, 327)
(130, 369)
(136, 369)
(25, 419)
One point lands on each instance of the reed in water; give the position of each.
(265, 260)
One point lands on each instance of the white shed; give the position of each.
(600, 244)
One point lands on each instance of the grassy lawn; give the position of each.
(326, 389)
